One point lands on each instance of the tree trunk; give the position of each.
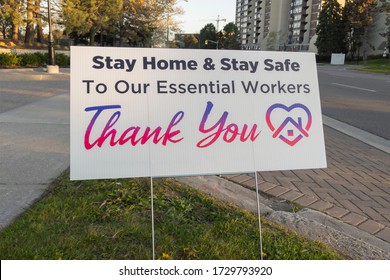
(29, 38)
(15, 33)
(92, 34)
(39, 21)
(3, 30)
(365, 44)
(14, 19)
(39, 34)
(4, 26)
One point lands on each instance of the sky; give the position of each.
(198, 13)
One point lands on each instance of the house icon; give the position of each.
(290, 131)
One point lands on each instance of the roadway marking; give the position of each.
(359, 88)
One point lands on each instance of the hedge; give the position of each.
(9, 59)
(36, 59)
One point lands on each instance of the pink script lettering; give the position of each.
(134, 134)
(228, 132)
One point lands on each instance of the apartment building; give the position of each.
(376, 43)
(274, 24)
(289, 25)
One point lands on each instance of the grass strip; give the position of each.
(111, 219)
(379, 65)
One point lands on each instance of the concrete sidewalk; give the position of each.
(348, 200)
(34, 146)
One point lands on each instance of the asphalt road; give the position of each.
(357, 98)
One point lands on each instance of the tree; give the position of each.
(34, 24)
(17, 12)
(187, 41)
(385, 8)
(191, 41)
(11, 18)
(331, 29)
(39, 23)
(209, 33)
(272, 40)
(90, 16)
(5, 19)
(359, 15)
(29, 37)
(138, 22)
(230, 37)
(165, 22)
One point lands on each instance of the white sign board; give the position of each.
(172, 112)
(337, 59)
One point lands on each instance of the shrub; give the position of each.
(323, 58)
(9, 59)
(36, 59)
(33, 59)
(377, 56)
(62, 60)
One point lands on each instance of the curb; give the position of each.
(359, 134)
(33, 74)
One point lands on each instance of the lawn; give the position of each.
(111, 219)
(377, 65)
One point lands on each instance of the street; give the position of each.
(356, 98)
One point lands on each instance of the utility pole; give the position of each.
(218, 20)
(51, 41)
(52, 68)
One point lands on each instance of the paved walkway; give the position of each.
(34, 129)
(355, 188)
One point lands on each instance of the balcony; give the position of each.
(305, 5)
(304, 10)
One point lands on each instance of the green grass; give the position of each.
(378, 65)
(111, 219)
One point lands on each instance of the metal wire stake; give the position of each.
(258, 214)
(152, 208)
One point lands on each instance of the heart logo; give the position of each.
(291, 130)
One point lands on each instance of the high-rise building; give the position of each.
(276, 24)
(289, 25)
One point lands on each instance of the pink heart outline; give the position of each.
(298, 124)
